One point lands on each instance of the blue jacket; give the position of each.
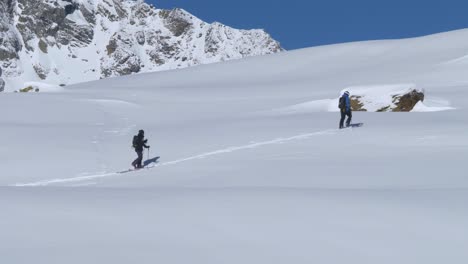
(347, 102)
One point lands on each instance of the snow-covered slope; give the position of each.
(245, 175)
(70, 41)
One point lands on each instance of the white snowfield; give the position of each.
(253, 168)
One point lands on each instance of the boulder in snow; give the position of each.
(385, 98)
(407, 101)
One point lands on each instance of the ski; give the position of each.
(148, 164)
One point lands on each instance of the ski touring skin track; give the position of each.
(175, 162)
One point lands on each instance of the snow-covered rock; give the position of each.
(372, 98)
(70, 41)
(385, 98)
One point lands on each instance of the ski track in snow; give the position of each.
(174, 162)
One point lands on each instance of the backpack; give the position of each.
(134, 142)
(341, 103)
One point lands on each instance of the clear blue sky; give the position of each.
(305, 23)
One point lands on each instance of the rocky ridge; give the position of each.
(62, 42)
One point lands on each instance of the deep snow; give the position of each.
(252, 169)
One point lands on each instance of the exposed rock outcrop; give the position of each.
(385, 98)
(406, 102)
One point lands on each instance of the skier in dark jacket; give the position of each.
(345, 109)
(139, 142)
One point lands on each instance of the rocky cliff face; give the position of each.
(2, 82)
(9, 41)
(69, 41)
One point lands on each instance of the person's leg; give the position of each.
(140, 159)
(343, 115)
(135, 162)
(350, 116)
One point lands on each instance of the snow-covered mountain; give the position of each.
(252, 168)
(62, 42)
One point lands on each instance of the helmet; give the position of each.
(141, 132)
(347, 93)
